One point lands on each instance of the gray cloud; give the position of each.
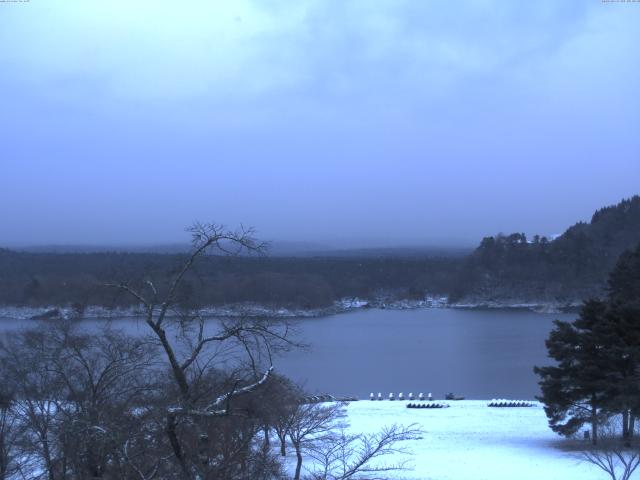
(372, 122)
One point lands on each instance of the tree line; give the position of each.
(45, 279)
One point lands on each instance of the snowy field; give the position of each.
(472, 441)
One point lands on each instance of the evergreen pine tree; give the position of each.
(622, 325)
(576, 388)
(597, 371)
(624, 280)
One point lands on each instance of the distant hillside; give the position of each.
(513, 269)
(393, 252)
(42, 279)
(80, 249)
(275, 249)
(503, 270)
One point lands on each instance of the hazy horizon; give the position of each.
(297, 245)
(346, 124)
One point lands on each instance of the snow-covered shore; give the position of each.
(233, 310)
(471, 441)
(256, 310)
(538, 307)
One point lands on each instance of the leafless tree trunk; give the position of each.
(625, 423)
(159, 305)
(267, 440)
(298, 449)
(282, 432)
(594, 420)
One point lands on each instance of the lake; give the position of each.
(481, 354)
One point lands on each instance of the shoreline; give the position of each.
(9, 312)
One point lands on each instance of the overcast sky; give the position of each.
(334, 121)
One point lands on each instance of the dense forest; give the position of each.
(504, 269)
(513, 269)
(57, 279)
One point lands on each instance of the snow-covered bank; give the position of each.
(470, 441)
(96, 312)
(255, 310)
(538, 307)
(233, 310)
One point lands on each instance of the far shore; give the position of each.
(11, 312)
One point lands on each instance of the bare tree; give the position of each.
(106, 383)
(618, 458)
(9, 434)
(277, 404)
(313, 424)
(79, 400)
(187, 346)
(349, 456)
(34, 386)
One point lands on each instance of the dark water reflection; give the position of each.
(477, 353)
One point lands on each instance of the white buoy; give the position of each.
(371, 396)
(401, 396)
(410, 396)
(421, 396)
(429, 397)
(379, 395)
(391, 397)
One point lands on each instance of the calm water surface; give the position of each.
(477, 353)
